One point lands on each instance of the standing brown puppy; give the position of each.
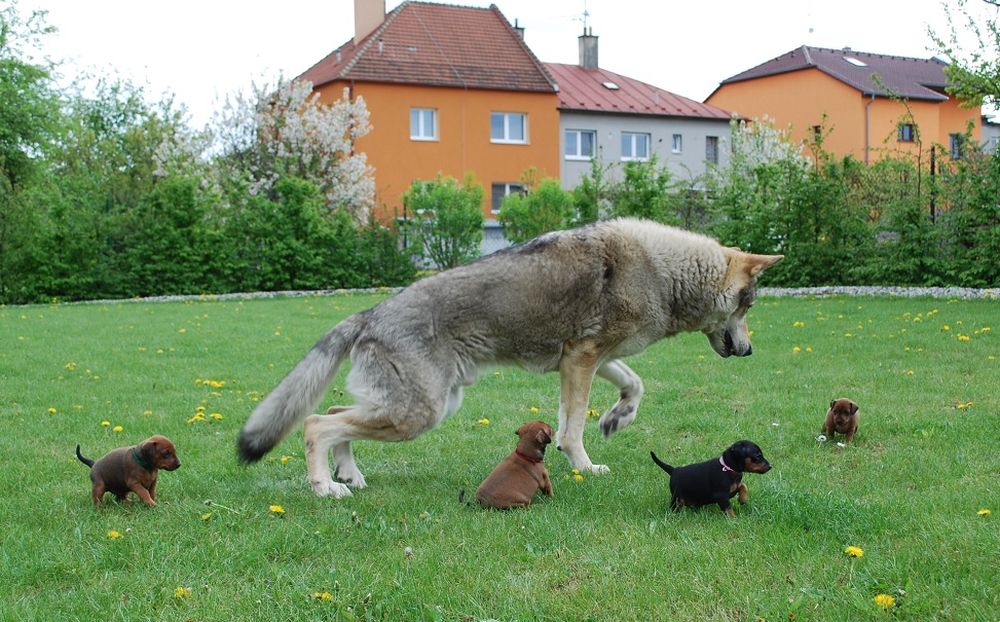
(132, 468)
(842, 417)
(515, 480)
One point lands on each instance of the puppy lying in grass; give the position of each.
(714, 481)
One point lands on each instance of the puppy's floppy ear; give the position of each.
(833, 403)
(542, 437)
(854, 408)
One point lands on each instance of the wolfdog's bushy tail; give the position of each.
(299, 393)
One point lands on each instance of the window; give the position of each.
(423, 124)
(501, 190)
(678, 144)
(817, 131)
(955, 145)
(712, 149)
(580, 144)
(993, 144)
(907, 133)
(508, 127)
(635, 146)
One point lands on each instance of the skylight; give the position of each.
(855, 62)
(610, 85)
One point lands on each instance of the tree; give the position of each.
(974, 72)
(285, 131)
(543, 208)
(447, 222)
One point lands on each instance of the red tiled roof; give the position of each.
(913, 78)
(438, 45)
(584, 89)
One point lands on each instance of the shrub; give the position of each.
(546, 207)
(446, 226)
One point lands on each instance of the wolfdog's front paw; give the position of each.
(618, 416)
(330, 488)
(599, 469)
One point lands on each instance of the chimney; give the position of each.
(519, 29)
(368, 15)
(588, 49)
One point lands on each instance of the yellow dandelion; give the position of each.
(70, 366)
(885, 601)
(946, 328)
(117, 428)
(809, 349)
(484, 421)
(200, 409)
(321, 595)
(593, 413)
(182, 592)
(114, 534)
(985, 329)
(855, 551)
(182, 330)
(799, 324)
(206, 516)
(960, 405)
(52, 411)
(964, 338)
(285, 459)
(105, 424)
(533, 410)
(216, 416)
(796, 349)
(276, 509)
(147, 413)
(984, 512)
(909, 372)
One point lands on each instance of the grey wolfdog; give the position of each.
(575, 301)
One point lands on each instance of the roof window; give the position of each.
(855, 62)
(610, 85)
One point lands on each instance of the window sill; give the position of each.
(418, 139)
(497, 141)
(579, 158)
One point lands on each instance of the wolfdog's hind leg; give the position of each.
(630, 387)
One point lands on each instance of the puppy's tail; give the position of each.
(299, 393)
(660, 463)
(86, 461)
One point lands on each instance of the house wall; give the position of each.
(687, 164)
(463, 141)
(800, 98)
(990, 136)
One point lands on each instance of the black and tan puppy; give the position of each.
(514, 482)
(716, 480)
(131, 468)
(842, 417)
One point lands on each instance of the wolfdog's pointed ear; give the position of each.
(757, 263)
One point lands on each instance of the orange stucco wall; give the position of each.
(800, 98)
(463, 142)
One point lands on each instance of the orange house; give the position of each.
(873, 105)
(450, 90)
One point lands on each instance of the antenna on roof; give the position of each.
(584, 17)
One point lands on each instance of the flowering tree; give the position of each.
(285, 131)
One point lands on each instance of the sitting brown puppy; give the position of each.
(132, 468)
(515, 480)
(842, 417)
(716, 480)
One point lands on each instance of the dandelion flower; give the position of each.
(105, 424)
(114, 534)
(984, 512)
(276, 509)
(578, 477)
(799, 324)
(946, 328)
(285, 459)
(593, 413)
(182, 592)
(52, 411)
(854, 551)
(533, 410)
(117, 428)
(964, 338)
(885, 601)
(206, 516)
(796, 349)
(216, 416)
(321, 595)
(484, 421)
(147, 413)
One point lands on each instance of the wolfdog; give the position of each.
(576, 301)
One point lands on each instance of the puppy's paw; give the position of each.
(330, 488)
(352, 478)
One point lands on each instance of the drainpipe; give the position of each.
(868, 123)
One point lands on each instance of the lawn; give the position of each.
(909, 492)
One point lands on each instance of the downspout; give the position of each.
(868, 123)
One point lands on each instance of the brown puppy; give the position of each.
(132, 468)
(842, 417)
(515, 480)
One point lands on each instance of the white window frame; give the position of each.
(579, 143)
(633, 143)
(709, 140)
(506, 139)
(420, 131)
(677, 144)
(509, 188)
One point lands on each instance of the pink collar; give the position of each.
(527, 458)
(725, 467)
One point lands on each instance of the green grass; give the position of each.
(605, 548)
